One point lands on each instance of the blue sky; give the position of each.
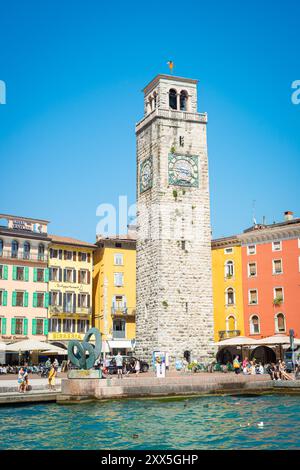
(74, 71)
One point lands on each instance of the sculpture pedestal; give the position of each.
(85, 374)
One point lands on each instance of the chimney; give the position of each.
(288, 215)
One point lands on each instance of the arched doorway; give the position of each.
(263, 354)
(225, 355)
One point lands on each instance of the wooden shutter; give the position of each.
(13, 326)
(46, 275)
(46, 299)
(46, 327)
(74, 275)
(34, 300)
(3, 326)
(26, 273)
(5, 273)
(14, 273)
(25, 324)
(14, 298)
(60, 296)
(35, 274)
(65, 275)
(26, 299)
(88, 300)
(4, 298)
(89, 257)
(51, 253)
(60, 254)
(88, 277)
(74, 303)
(79, 256)
(34, 326)
(60, 274)
(74, 255)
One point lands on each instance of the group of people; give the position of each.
(247, 367)
(132, 366)
(23, 376)
(278, 371)
(7, 369)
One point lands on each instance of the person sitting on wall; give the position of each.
(272, 370)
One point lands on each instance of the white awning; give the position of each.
(105, 347)
(121, 344)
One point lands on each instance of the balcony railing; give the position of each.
(119, 334)
(171, 114)
(122, 311)
(225, 334)
(69, 309)
(23, 256)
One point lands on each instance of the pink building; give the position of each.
(23, 278)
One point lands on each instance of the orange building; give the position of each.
(271, 278)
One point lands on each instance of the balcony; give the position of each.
(171, 114)
(119, 334)
(58, 309)
(122, 311)
(23, 256)
(225, 334)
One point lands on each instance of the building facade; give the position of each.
(24, 275)
(70, 289)
(271, 278)
(227, 288)
(114, 291)
(174, 280)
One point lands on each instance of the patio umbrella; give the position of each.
(276, 339)
(57, 350)
(2, 346)
(237, 341)
(32, 345)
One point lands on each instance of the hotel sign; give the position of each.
(18, 224)
(61, 336)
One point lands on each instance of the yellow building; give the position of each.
(227, 288)
(70, 288)
(114, 292)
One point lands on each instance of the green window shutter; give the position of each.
(5, 273)
(46, 275)
(14, 298)
(35, 274)
(46, 299)
(45, 327)
(26, 299)
(25, 324)
(14, 273)
(13, 326)
(26, 273)
(34, 300)
(34, 326)
(3, 326)
(4, 298)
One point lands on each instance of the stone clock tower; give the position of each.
(174, 281)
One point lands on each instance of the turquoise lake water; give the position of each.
(196, 423)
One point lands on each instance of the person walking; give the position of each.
(21, 380)
(137, 367)
(119, 364)
(51, 377)
(236, 365)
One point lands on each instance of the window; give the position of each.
(40, 299)
(230, 300)
(118, 245)
(82, 326)
(54, 296)
(277, 266)
(54, 274)
(19, 299)
(68, 275)
(1, 247)
(118, 279)
(41, 251)
(278, 295)
(229, 269)
(14, 249)
(118, 259)
(254, 325)
(251, 249)
(119, 303)
(53, 253)
(230, 323)
(69, 325)
(20, 273)
(1, 271)
(280, 323)
(227, 251)
(3, 298)
(252, 269)
(40, 326)
(82, 276)
(83, 300)
(26, 250)
(82, 257)
(181, 141)
(119, 327)
(173, 99)
(69, 301)
(19, 326)
(55, 325)
(253, 299)
(68, 255)
(276, 246)
(183, 100)
(40, 275)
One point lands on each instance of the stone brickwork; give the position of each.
(174, 279)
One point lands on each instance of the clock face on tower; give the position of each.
(183, 170)
(146, 174)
